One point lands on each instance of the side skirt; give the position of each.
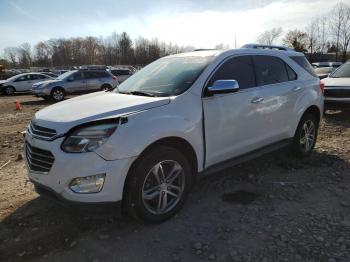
(246, 157)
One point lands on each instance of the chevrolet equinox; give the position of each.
(142, 145)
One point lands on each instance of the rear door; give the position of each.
(94, 80)
(278, 89)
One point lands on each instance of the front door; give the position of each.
(232, 121)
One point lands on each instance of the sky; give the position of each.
(199, 23)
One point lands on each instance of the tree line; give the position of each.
(115, 49)
(328, 33)
(325, 34)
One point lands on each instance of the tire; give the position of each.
(57, 94)
(9, 90)
(144, 192)
(306, 135)
(106, 87)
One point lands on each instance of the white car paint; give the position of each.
(232, 125)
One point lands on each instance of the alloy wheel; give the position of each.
(58, 95)
(307, 136)
(163, 187)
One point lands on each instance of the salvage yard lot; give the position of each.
(274, 208)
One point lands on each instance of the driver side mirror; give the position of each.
(223, 87)
(70, 79)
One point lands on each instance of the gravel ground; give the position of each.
(274, 208)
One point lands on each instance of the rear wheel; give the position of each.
(306, 135)
(9, 90)
(158, 185)
(106, 87)
(57, 94)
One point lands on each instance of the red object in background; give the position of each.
(18, 105)
(322, 86)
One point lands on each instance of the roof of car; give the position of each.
(205, 53)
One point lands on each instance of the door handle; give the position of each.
(297, 88)
(257, 100)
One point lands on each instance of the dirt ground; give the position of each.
(274, 208)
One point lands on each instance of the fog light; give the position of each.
(89, 184)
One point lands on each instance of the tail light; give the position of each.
(322, 86)
(114, 77)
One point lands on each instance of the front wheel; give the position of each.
(9, 90)
(106, 88)
(158, 185)
(57, 94)
(305, 136)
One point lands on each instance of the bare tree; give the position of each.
(269, 36)
(296, 39)
(25, 55)
(312, 37)
(337, 23)
(345, 32)
(11, 54)
(322, 33)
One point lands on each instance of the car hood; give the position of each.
(96, 106)
(342, 82)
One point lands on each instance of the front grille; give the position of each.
(39, 160)
(41, 132)
(339, 93)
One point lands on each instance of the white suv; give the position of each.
(183, 115)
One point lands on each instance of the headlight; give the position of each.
(88, 138)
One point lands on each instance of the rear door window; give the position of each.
(239, 68)
(270, 70)
(302, 61)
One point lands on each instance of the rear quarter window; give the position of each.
(302, 61)
(270, 70)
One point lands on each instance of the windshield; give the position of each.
(343, 71)
(65, 75)
(167, 76)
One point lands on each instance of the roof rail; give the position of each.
(272, 47)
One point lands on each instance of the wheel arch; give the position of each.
(56, 87)
(314, 110)
(11, 86)
(106, 84)
(175, 142)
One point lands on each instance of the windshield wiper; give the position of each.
(138, 93)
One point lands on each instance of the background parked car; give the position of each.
(337, 88)
(121, 73)
(323, 72)
(21, 82)
(76, 81)
(327, 64)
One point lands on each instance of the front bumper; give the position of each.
(67, 166)
(40, 92)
